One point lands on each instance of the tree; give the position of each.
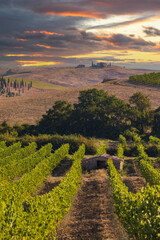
(56, 120)
(142, 115)
(156, 123)
(99, 114)
(141, 102)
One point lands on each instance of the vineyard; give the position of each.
(27, 215)
(151, 78)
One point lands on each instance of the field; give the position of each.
(52, 194)
(51, 84)
(39, 84)
(34, 103)
(73, 77)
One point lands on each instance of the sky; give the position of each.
(71, 32)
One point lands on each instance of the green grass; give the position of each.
(39, 84)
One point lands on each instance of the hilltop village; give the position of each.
(98, 65)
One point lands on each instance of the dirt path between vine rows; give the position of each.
(92, 216)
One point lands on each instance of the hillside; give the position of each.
(31, 106)
(73, 77)
(34, 103)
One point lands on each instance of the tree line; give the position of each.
(97, 114)
(150, 78)
(13, 87)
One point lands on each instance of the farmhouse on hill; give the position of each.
(100, 161)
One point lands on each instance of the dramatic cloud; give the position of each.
(89, 8)
(61, 31)
(151, 31)
(122, 40)
(111, 25)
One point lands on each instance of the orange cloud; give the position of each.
(21, 39)
(16, 55)
(25, 55)
(36, 63)
(45, 32)
(101, 36)
(75, 14)
(40, 45)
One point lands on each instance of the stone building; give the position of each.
(100, 161)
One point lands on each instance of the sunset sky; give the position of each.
(72, 32)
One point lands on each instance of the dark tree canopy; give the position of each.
(141, 102)
(96, 114)
(156, 123)
(56, 119)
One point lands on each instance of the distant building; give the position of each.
(80, 66)
(101, 65)
(98, 65)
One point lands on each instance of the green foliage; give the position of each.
(121, 146)
(56, 119)
(156, 123)
(139, 212)
(13, 196)
(3, 145)
(8, 151)
(142, 116)
(120, 151)
(141, 154)
(151, 174)
(141, 102)
(129, 133)
(151, 78)
(17, 155)
(25, 161)
(101, 149)
(122, 140)
(12, 87)
(137, 139)
(96, 114)
(38, 84)
(156, 142)
(39, 216)
(75, 141)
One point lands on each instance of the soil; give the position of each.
(134, 184)
(134, 181)
(54, 179)
(92, 217)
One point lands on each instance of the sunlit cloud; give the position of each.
(16, 55)
(126, 56)
(75, 14)
(40, 33)
(122, 23)
(36, 63)
(21, 40)
(44, 46)
(25, 55)
(45, 32)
